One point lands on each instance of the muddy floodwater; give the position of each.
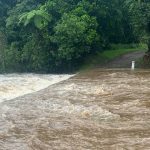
(95, 110)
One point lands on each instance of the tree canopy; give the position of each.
(55, 35)
(140, 14)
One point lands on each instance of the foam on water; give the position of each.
(15, 85)
(98, 109)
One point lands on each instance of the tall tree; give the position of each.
(140, 11)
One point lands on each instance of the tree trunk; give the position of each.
(148, 44)
(2, 51)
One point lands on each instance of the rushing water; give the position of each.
(15, 85)
(96, 110)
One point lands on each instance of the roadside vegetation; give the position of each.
(58, 35)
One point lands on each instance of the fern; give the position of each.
(40, 18)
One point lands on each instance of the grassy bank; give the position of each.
(101, 58)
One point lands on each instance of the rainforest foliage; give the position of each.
(56, 35)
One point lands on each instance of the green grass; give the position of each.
(101, 58)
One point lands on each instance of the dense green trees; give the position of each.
(140, 14)
(55, 35)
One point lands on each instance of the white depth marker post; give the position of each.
(133, 65)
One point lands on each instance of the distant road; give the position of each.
(125, 60)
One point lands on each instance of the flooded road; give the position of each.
(95, 110)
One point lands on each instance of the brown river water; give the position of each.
(96, 110)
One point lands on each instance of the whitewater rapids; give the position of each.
(15, 85)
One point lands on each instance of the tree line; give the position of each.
(56, 35)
